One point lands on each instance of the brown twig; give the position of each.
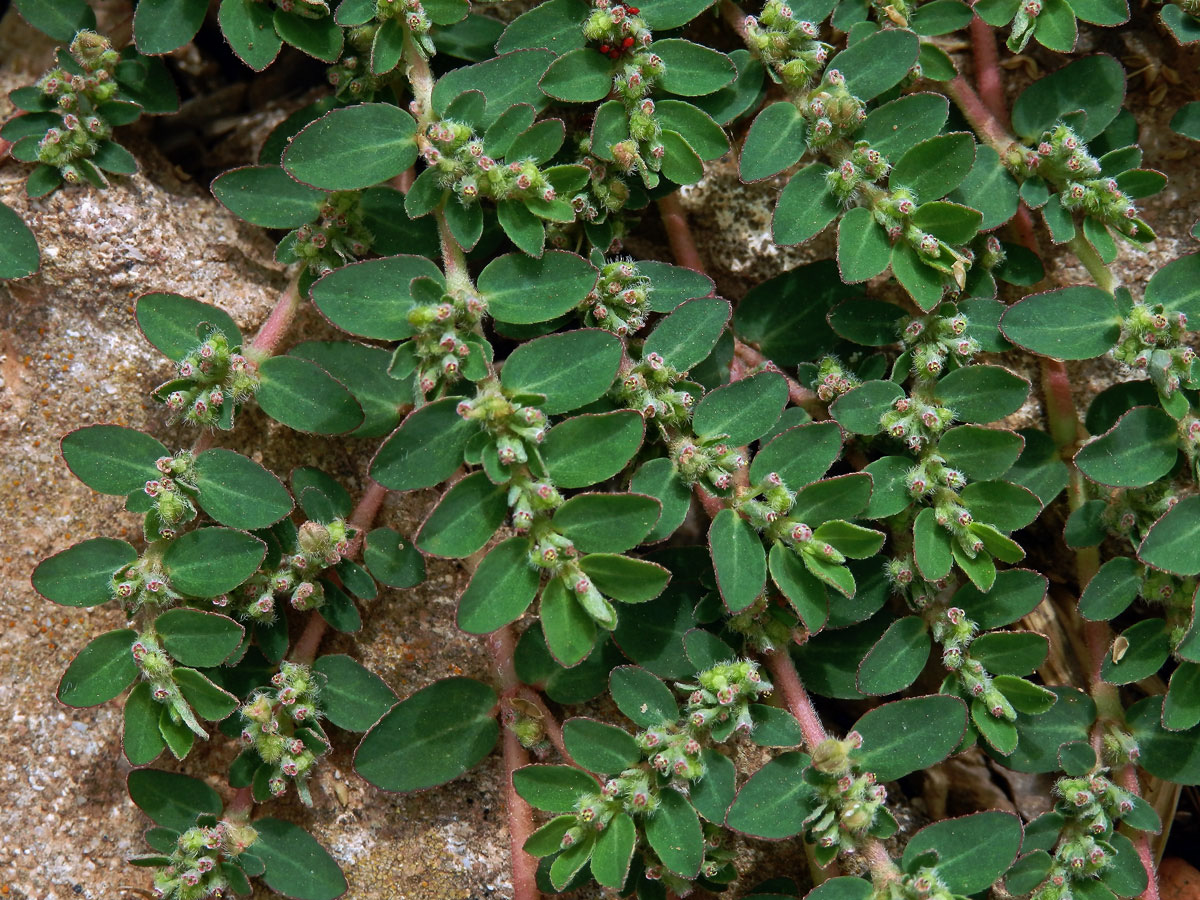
(679, 233)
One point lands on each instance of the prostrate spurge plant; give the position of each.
(867, 516)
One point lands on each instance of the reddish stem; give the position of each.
(549, 723)
(501, 644)
(239, 807)
(269, 336)
(797, 393)
(987, 70)
(679, 235)
(305, 650)
(783, 673)
(977, 113)
(1141, 840)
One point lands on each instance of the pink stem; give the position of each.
(797, 393)
(501, 644)
(987, 69)
(679, 235)
(1141, 842)
(239, 807)
(783, 673)
(272, 331)
(977, 113)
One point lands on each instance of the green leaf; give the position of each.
(305, 397)
(500, 590)
(672, 285)
(625, 579)
(1146, 647)
(695, 126)
(523, 228)
(547, 840)
(1010, 653)
(877, 62)
(692, 70)
(353, 147)
(1095, 84)
(680, 162)
(210, 702)
(869, 322)
(1186, 121)
(800, 455)
(614, 851)
(907, 735)
(990, 189)
(897, 659)
(802, 589)
(430, 738)
(658, 478)
(712, 795)
(554, 25)
(570, 629)
(1171, 755)
(160, 26)
(850, 540)
(578, 76)
(112, 459)
(889, 489)
(353, 698)
(504, 80)
(860, 409)
(940, 17)
(973, 851)
(1000, 504)
(19, 254)
(1015, 594)
(373, 298)
(101, 670)
(553, 788)
(1111, 589)
(320, 38)
(364, 372)
(296, 865)
(949, 222)
(673, 832)
(934, 167)
(426, 449)
(210, 561)
(1177, 286)
(844, 887)
(776, 141)
(266, 196)
(586, 449)
(1056, 27)
(931, 546)
(1173, 542)
(896, 126)
(739, 559)
(642, 697)
(924, 284)
(238, 492)
(568, 864)
(776, 800)
(840, 497)
(391, 561)
(522, 290)
(599, 747)
(249, 29)
(140, 737)
(170, 322)
(612, 523)
(804, 207)
(980, 453)
(739, 98)
(1077, 322)
(82, 575)
(570, 369)
(687, 336)
(1184, 27)
(196, 638)
(982, 394)
(466, 517)
(1181, 708)
(743, 410)
(173, 800)
(863, 248)
(58, 19)
(662, 15)
(1140, 449)
(1040, 736)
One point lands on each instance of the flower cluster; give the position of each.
(833, 379)
(619, 301)
(79, 98)
(143, 583)
(833, 112)
(197, 866)
(156, 667)
(212, 380)
(444, 332)
(172, 495)
(788, 46)
(847, 800)
(650, 387)
(281, 725)
(515, 428)
(917, 422)
(317, 547)
(1152, 341)
(616, 28)
(337, 237)
(864, 165)
(707, 458)
(457, 156)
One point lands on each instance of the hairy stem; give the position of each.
(1141, 840)
(980, 117)
(272, 332)
(240, 806)
(987, 70)
(501, 644)
(1096, 267)
(784, 676)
